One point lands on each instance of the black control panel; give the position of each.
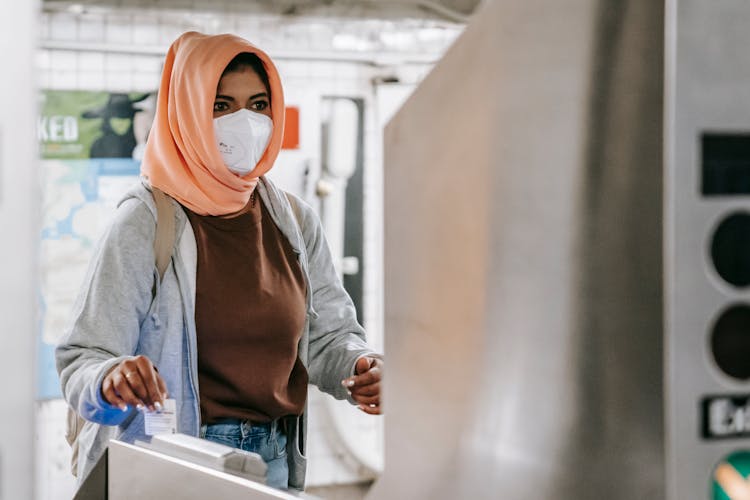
(725, 164)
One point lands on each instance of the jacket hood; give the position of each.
(181, 157)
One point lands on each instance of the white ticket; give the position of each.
(162, 421)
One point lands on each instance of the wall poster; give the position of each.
(90, 147)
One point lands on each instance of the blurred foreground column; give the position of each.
(523, 263)
(19, 233)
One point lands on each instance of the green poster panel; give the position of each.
(77, 125)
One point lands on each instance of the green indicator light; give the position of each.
(730, 478)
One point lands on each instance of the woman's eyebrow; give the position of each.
(230, 98)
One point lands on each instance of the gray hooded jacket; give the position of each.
(124, 310)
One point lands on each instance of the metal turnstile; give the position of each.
(178, 466)
(523, 260)
(567, 257)
(707, 249)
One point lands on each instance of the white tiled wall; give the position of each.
(118, 49)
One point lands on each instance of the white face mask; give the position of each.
(242, 137)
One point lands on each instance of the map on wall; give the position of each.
(90, 144)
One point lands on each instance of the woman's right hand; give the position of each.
(135, 381)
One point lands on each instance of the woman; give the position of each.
(249, 310)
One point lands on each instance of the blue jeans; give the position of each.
(267, 440)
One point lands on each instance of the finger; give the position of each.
(363, 364)
(370, 410)
(150, 384)
(367, 400)
(162, 386)
(125, 389)
(134, 382)
(161, 383)
(371, 376)
(366, 390)
(110, 396)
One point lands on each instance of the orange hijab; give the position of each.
(181, 156)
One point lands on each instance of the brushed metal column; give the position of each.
(523, 285)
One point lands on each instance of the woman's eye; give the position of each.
(259, 105)
(220, 106)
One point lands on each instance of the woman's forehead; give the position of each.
(245, 79)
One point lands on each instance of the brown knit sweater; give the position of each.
(249, 316)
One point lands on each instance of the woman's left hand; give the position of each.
(365, 385)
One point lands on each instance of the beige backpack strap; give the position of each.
(165, 229)
(295, 208)
(163, 244)
(74, 425)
